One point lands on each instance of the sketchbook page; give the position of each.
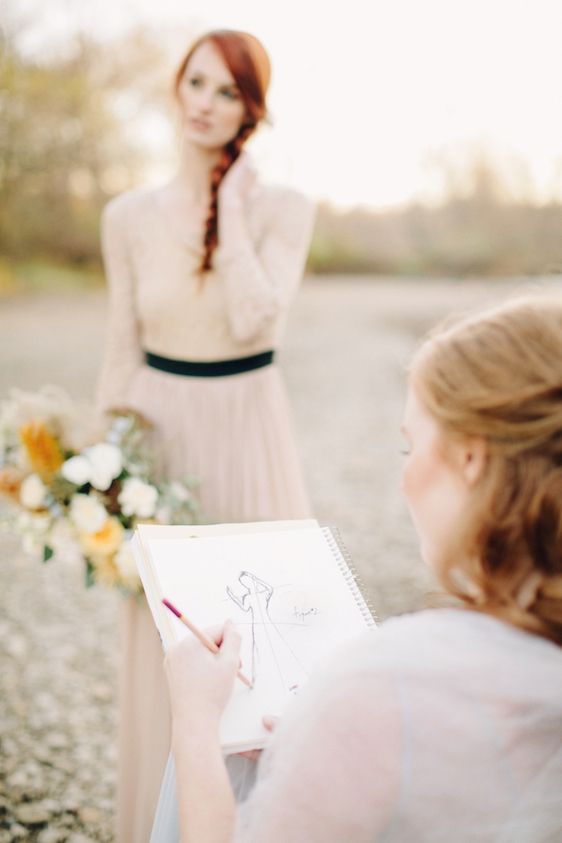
(289, 597)
(143, 532)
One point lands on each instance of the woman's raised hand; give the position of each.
(237, 184)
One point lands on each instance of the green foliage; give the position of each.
(59, 137)
(462, 237)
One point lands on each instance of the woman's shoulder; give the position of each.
(277, 200)
(123, 205)
(497, 658)
(434, 639)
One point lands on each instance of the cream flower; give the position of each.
(33, 492)
(106, 464)
(35, 531)
(138, 498)
(179, 491)
(87, 513)
(104, 542)
(77, 470)
(105, 571)
(127, 567)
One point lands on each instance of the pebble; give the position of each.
(89, 815)
(33, 813)
(17, 647)
(102, 692)
(56, 740)
(52, 835)
(43, 755)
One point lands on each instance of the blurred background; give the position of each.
(428, 132)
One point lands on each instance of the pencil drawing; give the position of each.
(269, 648)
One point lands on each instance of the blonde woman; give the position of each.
(445, 725)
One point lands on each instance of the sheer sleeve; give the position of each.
(332, 771)
(123, 352)
(261, 281)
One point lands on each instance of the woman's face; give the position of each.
(211, 105)
(437, 480)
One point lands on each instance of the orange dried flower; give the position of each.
(10, 481)
(42, 449)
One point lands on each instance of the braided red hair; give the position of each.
(248, 62)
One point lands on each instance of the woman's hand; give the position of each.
(254, 754)
(200, 681)
(237, 184)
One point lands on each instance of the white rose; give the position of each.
(63, 541)
(179, 491)
(35, 533)
(77, 470)
(138, 498)
(87, 513)
(163, 514)
(106, 464)
(127, 566)
(33, 492)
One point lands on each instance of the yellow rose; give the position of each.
(104, 543)
(105, 571)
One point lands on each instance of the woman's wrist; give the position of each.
(194, 729)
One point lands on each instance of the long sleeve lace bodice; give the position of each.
(441, 726)
(158, 303)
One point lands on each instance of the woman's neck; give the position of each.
(194, 173)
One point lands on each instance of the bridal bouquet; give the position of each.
(77, 483)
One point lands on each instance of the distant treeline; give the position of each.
(463, 236)
(68, 143)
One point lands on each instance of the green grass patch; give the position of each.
(43, 275)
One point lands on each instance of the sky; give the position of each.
(367, 95)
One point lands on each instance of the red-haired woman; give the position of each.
(201, 274)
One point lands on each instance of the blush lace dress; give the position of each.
(234, 432)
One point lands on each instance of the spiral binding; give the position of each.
(346, 566)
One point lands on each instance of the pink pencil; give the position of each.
(204, 639)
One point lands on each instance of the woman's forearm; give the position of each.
(206, 802)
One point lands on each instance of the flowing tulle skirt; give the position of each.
(235, 434)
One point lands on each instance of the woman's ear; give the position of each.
(474, 456)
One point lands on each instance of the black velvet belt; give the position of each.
(211, 368)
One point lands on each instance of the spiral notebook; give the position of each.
(288, 587)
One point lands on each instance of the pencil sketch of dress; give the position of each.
(270, 652)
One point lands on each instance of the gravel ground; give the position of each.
(347, 347)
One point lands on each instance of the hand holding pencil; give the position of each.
(201, 636)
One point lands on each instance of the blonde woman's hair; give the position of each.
(498, 376)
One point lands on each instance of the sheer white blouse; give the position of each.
(443, 726)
